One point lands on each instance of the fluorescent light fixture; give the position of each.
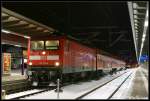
(17, 45)
(135, 16)
(3, 43)
(146, 23)
(136, 31)
(5, 31)
(147, 13)
(136, 24)
(135, 11)
(134, 5)
(26, 37)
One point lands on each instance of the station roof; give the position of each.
(17, 23)
(105, 25)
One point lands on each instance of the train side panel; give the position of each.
(78, 58)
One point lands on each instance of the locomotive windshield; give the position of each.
(52, 44)
(37, 45)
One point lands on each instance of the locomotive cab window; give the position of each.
(37, 45)
(52, 44)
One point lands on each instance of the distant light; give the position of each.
(5, 31)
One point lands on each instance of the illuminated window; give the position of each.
(52, 44)
(37, 45)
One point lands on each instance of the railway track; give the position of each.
(15, 86)
(80, 97)
(111, 94)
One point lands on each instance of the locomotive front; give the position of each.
(45, 61)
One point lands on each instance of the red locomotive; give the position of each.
(60, 57)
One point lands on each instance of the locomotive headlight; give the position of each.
(43, 52)
(30, 63)
(57, 64)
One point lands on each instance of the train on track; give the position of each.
(50, 58)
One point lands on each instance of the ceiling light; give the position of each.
(135, 11)
(136, 24)
(146, 23)
(135, 16)
(144, 35)
(143, 39)
(17, 45)
(136, 31)
(26, 37)
(147, 13)
(135, 20)
(134, 5)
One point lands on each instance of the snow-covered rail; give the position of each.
(107, 90)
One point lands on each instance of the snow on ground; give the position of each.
(74, 90)
(105, 91)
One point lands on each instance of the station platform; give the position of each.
(136, 86)
(14, 82)
(139, 87)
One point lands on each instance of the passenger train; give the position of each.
(50, 58)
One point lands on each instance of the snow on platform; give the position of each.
(74, 90)
(105, 91)
(14, 95)
(136, 87)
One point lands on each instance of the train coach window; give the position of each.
(52, 44)
(37, 45)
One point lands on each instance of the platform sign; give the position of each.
(6, 63)
(144, 58)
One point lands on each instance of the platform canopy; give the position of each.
(14, 23)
